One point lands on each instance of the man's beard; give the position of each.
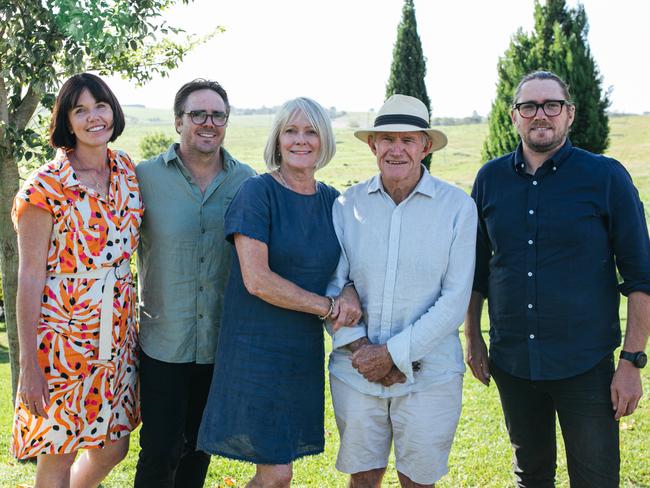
(546, 145)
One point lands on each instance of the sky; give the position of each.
(339, 51)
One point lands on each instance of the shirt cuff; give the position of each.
(335, 288)
(347, 335)
(399, 347)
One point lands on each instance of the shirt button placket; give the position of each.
(201, 298)
(391, 272)
(532, 227)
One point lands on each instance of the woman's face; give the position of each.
(91, 121)
(299, 143)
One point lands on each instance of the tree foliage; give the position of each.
(152, 145)
(558, 43)
(45, 41)
(409, 66)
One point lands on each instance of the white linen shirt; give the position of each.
(412, 265)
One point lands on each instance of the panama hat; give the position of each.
(401, 113)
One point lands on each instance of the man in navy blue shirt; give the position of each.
(555, 223)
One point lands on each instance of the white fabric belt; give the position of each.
(109, 275)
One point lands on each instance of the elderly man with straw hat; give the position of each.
(408, 242)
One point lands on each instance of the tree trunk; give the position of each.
(9, 180)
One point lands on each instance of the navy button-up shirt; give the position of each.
(548, 248)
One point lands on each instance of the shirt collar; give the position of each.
(556, 160)
(375, 184)
(172, 155)
(426, 185)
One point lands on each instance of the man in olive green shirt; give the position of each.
(183, 263)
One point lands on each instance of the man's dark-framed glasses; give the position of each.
(552, 108)
(200, 117)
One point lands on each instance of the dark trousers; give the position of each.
(172, 397)
(584, 410)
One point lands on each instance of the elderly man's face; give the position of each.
(399, 155)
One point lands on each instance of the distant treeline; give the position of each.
(474, 119)
(333, 113)
(263, 110)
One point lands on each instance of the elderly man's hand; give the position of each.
(348, 312)
(373, 361)
(393, 376)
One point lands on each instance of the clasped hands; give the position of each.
(373, 361)
(347, 309)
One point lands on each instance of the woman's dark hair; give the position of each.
(66, 100)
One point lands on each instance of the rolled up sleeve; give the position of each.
(628, 231)
(483, 249)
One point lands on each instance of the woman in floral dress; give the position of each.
(77, 219)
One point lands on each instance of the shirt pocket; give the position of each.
(213, 220)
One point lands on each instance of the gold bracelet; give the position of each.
(330, 311)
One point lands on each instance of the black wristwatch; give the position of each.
(638, 359)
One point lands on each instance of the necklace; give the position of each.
(98, 178)
(285, 184)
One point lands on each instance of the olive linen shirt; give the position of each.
(412, 265)
(183, 258)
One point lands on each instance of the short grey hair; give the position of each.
(317, 117)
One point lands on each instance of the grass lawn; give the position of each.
(480, 456)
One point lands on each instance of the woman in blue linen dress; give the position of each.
(266, 400)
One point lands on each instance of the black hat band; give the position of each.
(401, 119)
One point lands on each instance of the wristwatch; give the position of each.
(638, 359)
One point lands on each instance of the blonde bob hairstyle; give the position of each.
(317, 117)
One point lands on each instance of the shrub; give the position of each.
(153, 144)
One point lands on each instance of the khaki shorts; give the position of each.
(422, 425)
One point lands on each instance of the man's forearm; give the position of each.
(473, 316)
(638, 322)
(353, 346)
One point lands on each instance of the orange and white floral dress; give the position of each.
(92, 401)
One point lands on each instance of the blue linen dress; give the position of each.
(267, 394)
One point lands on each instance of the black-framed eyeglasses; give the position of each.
(552, 108)
(199, 117)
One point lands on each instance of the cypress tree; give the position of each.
(559, 44)
(408, 68)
